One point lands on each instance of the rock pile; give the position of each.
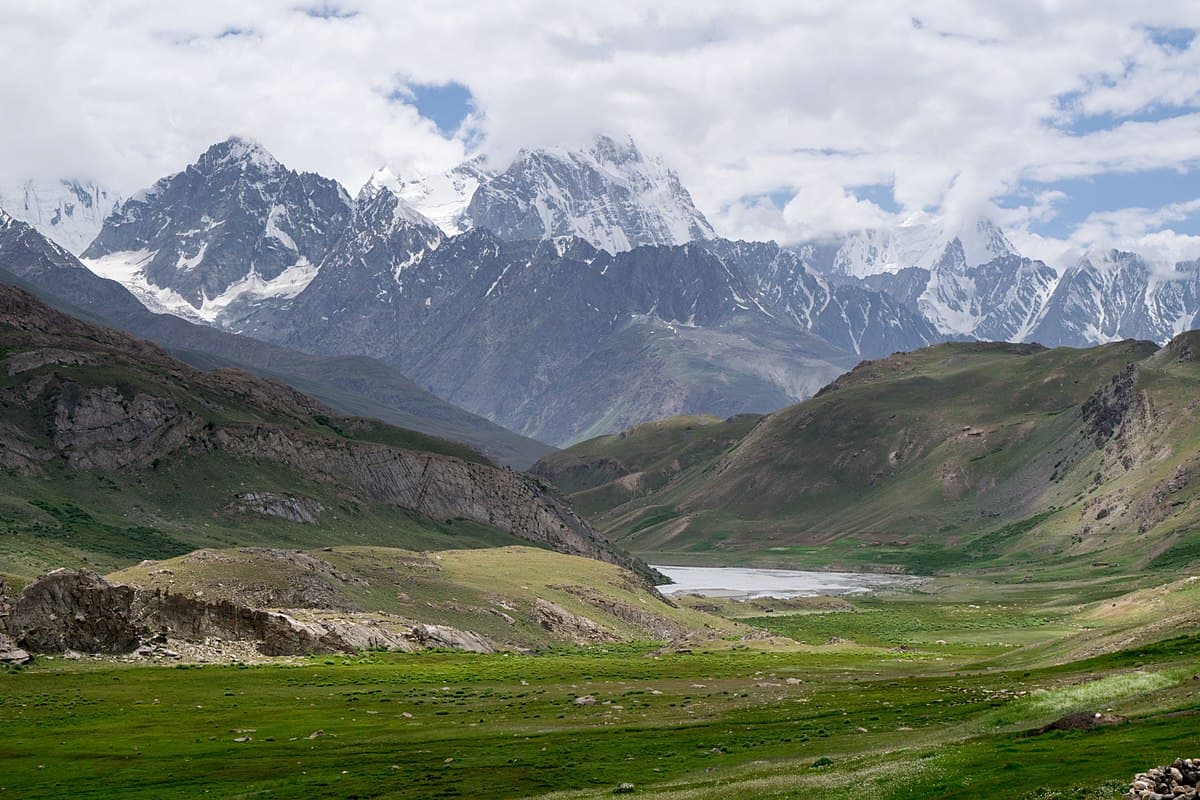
(1178, 780)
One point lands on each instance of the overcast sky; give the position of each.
(1074, 123)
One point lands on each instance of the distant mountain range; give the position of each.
(576, 292)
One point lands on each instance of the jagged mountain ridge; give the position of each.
(1118, 295)
(398, 285)
(919, 241)
(394, 286)
(558, 337)
(441, 197)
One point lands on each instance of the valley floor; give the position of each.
(925, 695)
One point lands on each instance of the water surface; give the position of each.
(745, 582)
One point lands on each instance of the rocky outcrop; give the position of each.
(656, 626)
(1082, 721)
(33, 359)
(292, 508)
(440, 637)
(1107, 410)
(440, 487)
(97, 427)
(10, 653)
(569, 625)
(77, 610)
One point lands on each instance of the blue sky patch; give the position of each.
(445, 105)
(1172, 38)
(880, 194)
(1113, 191)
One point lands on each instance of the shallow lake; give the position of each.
(745, 583)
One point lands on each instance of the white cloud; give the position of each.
(1141, 230)
(954, 103)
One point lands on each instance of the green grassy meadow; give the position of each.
(890, 697)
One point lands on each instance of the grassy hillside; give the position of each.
(959, 456)
(112, 452)
(607, 471)
(490, 592)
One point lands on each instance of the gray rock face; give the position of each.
(439, 487)
(608, 194)
(100, 428)
(444, 637)
(33, 359)
(567, 624)
(10, 653)
(998, 300)
(379, 256)
(235, 213)
(847, 314)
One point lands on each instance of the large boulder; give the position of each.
(75, 610)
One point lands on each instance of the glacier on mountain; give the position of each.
(68, 212)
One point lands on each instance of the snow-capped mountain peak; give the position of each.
(235, 225)
(983, 242)
(240, 153)
(381, 179)
(608, 194)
